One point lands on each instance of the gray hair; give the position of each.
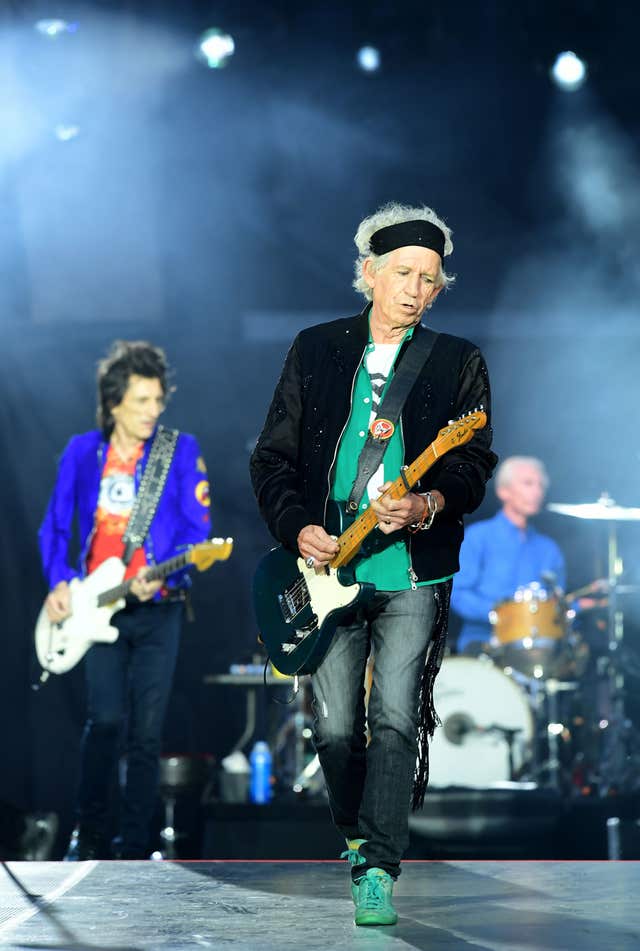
(393, 214)
(504, 472)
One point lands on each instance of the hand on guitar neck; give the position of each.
(142, 589)
(394, 514)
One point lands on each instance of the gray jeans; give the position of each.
(370, 786)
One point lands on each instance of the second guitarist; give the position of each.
(128, 681)
(325, 403)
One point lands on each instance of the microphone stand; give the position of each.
(509, 734)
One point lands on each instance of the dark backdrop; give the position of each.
(212, 211)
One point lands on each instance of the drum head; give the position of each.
(479, 707)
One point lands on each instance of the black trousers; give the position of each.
(128, 683)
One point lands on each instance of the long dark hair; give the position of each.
(125, 359)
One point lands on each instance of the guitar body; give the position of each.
(95, 600)
(60, 646)
(298, 608)
(297, 641)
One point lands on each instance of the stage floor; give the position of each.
(275, 906)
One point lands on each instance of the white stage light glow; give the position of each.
(215, 48)
(54, 27)
(368, 59)
(64, 133)
(569, 72)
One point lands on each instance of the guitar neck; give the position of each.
(155, 573)
(353, 537)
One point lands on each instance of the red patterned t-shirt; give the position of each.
(117, 495)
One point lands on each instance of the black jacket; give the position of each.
(293, 459)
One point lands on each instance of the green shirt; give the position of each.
(388, 568)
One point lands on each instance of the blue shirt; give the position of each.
(496, 558)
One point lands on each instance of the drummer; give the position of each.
(503, 553)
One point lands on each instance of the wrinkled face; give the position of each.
(138, 412)
(524, 493)
(404, 287)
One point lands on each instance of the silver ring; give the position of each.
(310, 561)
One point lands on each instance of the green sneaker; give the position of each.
(373, 902)
(353, 857)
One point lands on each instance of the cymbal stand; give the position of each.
(614, 755)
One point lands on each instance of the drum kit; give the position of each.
(543, 707)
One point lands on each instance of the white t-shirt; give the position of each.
(378, 362)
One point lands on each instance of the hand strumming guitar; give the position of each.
(58, 603)
(314, 542)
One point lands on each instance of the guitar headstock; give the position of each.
(460, 431)
(204, 554)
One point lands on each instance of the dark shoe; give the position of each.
(86, 845)
(39, 836)
(373, 903)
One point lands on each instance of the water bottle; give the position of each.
(260, 761)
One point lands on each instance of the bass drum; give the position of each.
(487, 727)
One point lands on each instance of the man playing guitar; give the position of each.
(330, 394)
(129, 680)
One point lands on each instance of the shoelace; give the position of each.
(351, 855)
(375, 894)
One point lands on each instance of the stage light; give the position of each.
(53, 27)
(569, 72)
(215, 48)
(368, 59)
(64, 133)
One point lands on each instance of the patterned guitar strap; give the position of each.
(150, 491)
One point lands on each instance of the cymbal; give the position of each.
(604, 509)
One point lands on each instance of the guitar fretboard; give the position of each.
(456, 434)
(353, 537)
(157, 573)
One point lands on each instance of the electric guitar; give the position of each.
(298, 608)
(96, 598)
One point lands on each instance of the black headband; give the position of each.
(408, 233)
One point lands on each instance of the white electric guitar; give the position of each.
(95, 599)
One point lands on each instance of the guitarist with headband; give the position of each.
(321, 447)
(128, 681)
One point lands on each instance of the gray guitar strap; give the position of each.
(150, 491)
(415, 357)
